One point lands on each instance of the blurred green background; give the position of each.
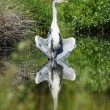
(88, 21)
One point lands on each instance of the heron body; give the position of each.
(54, 47)
(55, 42)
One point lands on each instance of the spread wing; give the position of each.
(42, 75)
(42, 44)
(68, 46)
(68, 72)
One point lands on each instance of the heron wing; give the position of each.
(42, 75)
(42, 44)
(68, 72)
(68, 45)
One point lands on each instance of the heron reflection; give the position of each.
(53, 72)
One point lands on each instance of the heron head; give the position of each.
(59, 1)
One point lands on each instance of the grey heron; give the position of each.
(55, 42)
(54, 46)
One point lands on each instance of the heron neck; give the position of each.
(54, 12)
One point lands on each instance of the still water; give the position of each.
(54, 72)
(54, 86)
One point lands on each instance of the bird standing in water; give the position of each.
(54, 47)
(55, 42)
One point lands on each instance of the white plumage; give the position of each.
(54, 47)
(54, 44)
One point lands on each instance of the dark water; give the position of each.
(53, 87)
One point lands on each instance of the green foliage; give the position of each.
(76, 17)
(92, 63)
(41, 12)
(86, 15)
(91, 57)
(90, 60)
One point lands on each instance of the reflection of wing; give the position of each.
(42, 75)
(68, 46)
(42, 44)
(68, 72)
(49, 72)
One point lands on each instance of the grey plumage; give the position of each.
(54, 46)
